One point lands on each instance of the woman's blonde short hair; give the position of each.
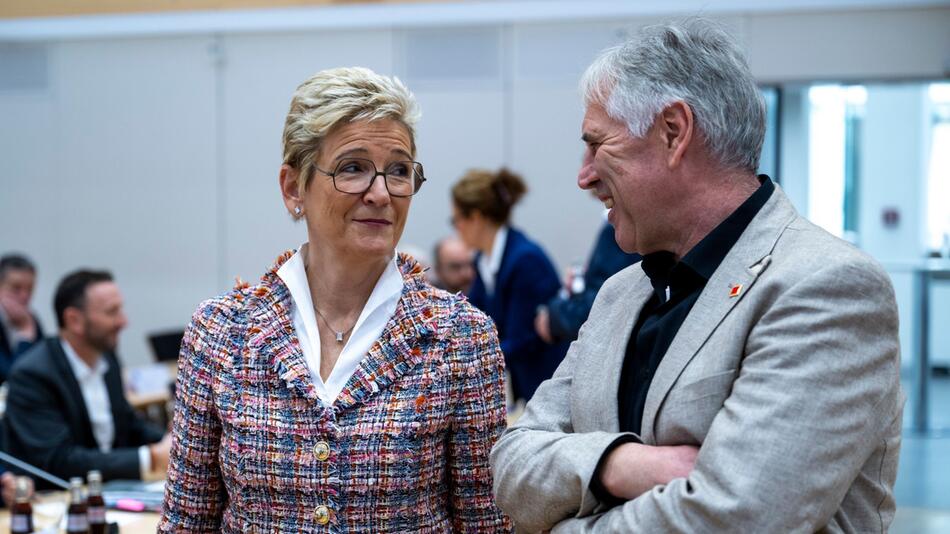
(337, 96)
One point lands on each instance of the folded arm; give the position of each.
(817, 389)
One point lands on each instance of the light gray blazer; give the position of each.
(790, 388)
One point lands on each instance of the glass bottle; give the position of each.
(76, 520)
(95, 505)
(21, 516)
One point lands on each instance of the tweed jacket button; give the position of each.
(321, 515)
(321, 450)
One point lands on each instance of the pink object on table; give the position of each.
(130, 505)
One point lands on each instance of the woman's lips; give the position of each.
(374, 222)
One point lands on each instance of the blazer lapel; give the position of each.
(402, 346)
(604, 339)
(113, 380)
(73, 389)
(271, 334)
(742, 266)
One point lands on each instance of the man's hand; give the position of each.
(19, 316)
(160, 452)
(632, 469)
(8, 488)
(542, 325)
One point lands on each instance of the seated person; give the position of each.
(66, 411)
(454, 265)
(19, 328)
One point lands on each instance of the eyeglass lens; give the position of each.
(355, 175)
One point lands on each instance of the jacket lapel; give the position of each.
(54, 344)
(401, 347)
(741, 266)
(113, 379)
(597, 375)
(271, 333)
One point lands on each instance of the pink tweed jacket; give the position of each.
(404, 448)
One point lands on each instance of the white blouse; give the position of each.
(488, 266)
(379, 308)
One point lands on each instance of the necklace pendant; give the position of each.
(339, 337)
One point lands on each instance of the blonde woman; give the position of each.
(342, 393)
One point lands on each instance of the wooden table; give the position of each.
(49, 507)
(144, 402)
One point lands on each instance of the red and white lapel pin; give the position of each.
(735, 290)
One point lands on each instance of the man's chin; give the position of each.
(107, 345)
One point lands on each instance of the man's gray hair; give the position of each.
(695, 62)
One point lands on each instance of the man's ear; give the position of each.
(72, 320)
(290, 190)
(676, 128)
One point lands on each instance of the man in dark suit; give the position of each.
(19, 328)
(66, 410)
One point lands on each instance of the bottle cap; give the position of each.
(22, 488)
(94, 478)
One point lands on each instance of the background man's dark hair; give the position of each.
(71, 291)
(15, 262)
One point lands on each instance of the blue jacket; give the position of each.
(10, 353)
(525, 280)
(607, 259)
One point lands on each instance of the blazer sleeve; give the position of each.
(778, 457)
(479, 419)
(37, 420)
(542, 468)
(195, 496)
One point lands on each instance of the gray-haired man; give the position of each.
(745, 376)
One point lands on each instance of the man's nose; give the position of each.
(587, 176)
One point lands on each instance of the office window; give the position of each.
(834, 138)
(938, 171)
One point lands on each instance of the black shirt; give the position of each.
(676, 287)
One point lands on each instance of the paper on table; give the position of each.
(122, 518)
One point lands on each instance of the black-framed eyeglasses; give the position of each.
(356, 175)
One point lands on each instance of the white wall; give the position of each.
(893, 161)
(111, 165)
(158, 157)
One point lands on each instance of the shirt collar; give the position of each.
(489, 265)
(79, 367)
(704, 258)
(294, 275)
(498, 249)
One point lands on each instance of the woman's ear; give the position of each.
(290, 190)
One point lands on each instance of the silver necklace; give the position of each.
(339, 334)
